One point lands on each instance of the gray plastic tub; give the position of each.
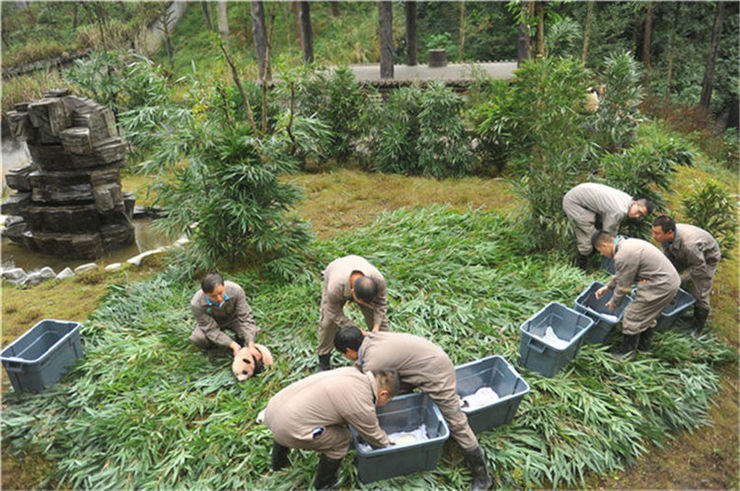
(42, 355)
(494, 372)
(403, 413)
(673, 311)
(542, 357)
(604, 319)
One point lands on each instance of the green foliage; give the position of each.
(420, 132)
(564, 38)
(711, 207)
(538, 124)
(615, 125)
(145, 409)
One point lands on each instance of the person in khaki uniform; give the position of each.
(345, 279)
(637, 261)
(220, 305)
(313, 414)
(591, 204)
(692, 248)
(425, 365)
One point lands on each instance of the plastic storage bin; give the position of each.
(568, 325)
(604, 319)
(673, 311)
(494, 372)
(42, 355)
(403, 413)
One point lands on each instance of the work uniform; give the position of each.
(695, 249)
(422, 364)
(210, 319)
(336, 292)
(313, 413)
(587, 201)
(638, 261)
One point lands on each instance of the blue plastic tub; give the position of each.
(542, 357)
(604, 319)
(42, 355)
(403, 413)
(494, 372)
(673, 311)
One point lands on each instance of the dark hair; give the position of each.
(365, 288)
(389, 380)
(210, 282)
(348, 337)
(649, 207)
(666, 223)
(600, 237)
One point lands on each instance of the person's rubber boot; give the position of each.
(324, 362)
(477, 464)
(628, 348)
(646, 340)
(279, 456)
(326, 474)
(700, 320)
(581, 261)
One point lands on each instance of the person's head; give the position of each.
(604, 243)
(363, 288)
(640, 208)
(348, 340)
(212, 285)
(664, 229)
(389, 384)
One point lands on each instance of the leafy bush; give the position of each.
(712, 208)
(144, 408)
(420, 132)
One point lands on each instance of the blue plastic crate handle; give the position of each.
(539, 347)
(13, 366)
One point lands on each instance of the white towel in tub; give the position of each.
(552, 340)
(482, 397)
(402, 437)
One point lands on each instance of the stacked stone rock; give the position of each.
(69, 201)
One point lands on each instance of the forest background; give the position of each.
(200, 115)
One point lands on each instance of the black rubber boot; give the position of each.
(628, 348)
(324, 362)
(582, 262)
(279, 456)
(646, 340)
(477, 465)
(326, 474)
(700, 320)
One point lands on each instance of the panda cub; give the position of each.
(245, 366)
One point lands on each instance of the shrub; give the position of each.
(712, 208)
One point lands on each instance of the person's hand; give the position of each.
(256, 354)
(611, 305)
(601, 291)
(235, 348)
(376, 328)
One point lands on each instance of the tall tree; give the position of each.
(165, 18)
(587, 30)
(223, 22)
(706, 86)
(335, 9)
(411, 49)
(306, 33)
(260, 38)
(385, 21)
(462, 30)
(647, 38)
(671, 52)
(539, 13)
(206, 14)
(297, 23)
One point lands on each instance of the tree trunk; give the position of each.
(75, 6)
(260, 38)
(462, 30)
(165, 19)
(306, 33)
(296, 23)
(335, 9)
(587, 31)
(410, 8)
(539, 11)
(385, 21)
(223, 22)
(671, 52)
(647, 37)
(206, 15)
(524, 46)
(706, 86)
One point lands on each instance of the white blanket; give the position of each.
(482, 397)
(551, 339)
(400, 438)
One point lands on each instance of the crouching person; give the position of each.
(423, 364)
(313, 414)
(637, 261)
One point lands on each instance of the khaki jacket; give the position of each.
(694, 249)
(585, 200)
(233, 314)
(640, 262)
